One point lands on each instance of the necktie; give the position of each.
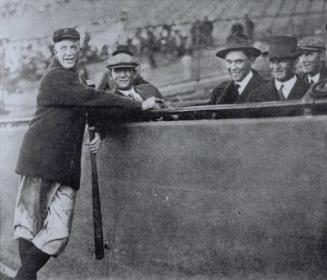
(237, 86)
(233, 94)
(280, 93)
(311, 81)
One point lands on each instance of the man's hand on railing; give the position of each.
(152, 103)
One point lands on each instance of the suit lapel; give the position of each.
(254, 82)
(323, 72)
(119, 93)
(229, 95)
(273, 93)
(298, 90)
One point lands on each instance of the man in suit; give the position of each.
(285, 85)
(312, 59)
(239, 55)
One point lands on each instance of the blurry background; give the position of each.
(176, 41)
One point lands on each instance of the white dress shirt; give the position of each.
(132, 93)
(244, 82)
(314, 78)
(287, 85)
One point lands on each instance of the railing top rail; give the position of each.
(234, 108)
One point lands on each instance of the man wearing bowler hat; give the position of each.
(285, 85)
(312, 59)
(239, 55)
(49, 162)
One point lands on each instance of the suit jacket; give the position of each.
(226, 94)
(323, 74)
(268, 92)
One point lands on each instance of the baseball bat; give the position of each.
(96, 206)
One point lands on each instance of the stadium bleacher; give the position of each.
(31, 23)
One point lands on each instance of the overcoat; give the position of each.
(51, 147)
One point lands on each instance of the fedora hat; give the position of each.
(283, 47)
(238, 43)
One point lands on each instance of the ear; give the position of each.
(296, 61)
(322, 56)
(134, 74)
(54, 50)
(251, 59)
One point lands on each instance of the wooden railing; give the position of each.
(313, 103)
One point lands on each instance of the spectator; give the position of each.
(239, 55)
(286, 85)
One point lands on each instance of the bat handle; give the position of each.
(92, 132)
(97, 216)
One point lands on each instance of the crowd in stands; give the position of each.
(176, 40)
(28, 59)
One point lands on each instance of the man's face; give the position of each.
(123, 77)
(282, 69)
(238, 65)
(310, 62)
(67, 53)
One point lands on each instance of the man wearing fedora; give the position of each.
(239, 55)
(49, 162)
(285, 85)
(312, 59)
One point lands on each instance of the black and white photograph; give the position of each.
(163, 140)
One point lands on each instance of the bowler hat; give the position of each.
(66, 33)
(311, 44)
(283, 47)
(238, 43)
(122, 60)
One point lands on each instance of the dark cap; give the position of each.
(66, 33)
(283, 47)
(238, 43)
(311, 44)
(122, 60)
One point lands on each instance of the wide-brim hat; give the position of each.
(66, 33)
(283, 47)
(238, 43)
(122, 60)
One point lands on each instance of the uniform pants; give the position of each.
(44, 214)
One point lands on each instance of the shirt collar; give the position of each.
(132, 93)
(314, 78)
(287, 85)
(244, 82)
(128, 92)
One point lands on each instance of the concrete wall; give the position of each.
(194, 200)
